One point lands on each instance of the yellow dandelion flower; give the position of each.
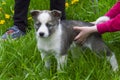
(66, 5)
(29, 18)
(0, 9)
(3, 3)
(2, 21)
(7, 16)
(74, 1)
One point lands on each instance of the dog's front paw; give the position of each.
(61, 62)
(102, 19)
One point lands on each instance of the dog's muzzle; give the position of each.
(41, 34)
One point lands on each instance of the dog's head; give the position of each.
(45, 22)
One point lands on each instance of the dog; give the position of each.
(55, 37)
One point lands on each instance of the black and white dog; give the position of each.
(55, 37)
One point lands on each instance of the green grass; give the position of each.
(20, 59)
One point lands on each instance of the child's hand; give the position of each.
(84, 33)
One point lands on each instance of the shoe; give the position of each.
(13, 33)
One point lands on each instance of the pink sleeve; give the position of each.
(115, 10)
(109, 26)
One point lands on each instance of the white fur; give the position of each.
(62, 62)
(113, 62)
(49, 44)
(43, 18)
(52, 45)
(102, 19)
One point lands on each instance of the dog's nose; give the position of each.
(41, 34)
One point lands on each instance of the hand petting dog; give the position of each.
(84, 33)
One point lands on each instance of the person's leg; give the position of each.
(58, 5)
(20, 20)
(20, 15)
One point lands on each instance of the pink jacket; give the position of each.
(113, 24)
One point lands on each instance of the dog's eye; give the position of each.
(49, 25)
(38, 24)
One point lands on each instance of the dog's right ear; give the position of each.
(56, 13)
(34, 13)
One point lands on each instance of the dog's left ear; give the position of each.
(56, 13)
(34, 13)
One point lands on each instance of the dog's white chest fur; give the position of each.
(52, 43)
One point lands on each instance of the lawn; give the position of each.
(20, 59)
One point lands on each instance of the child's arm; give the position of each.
(110, 25)
(115, 10)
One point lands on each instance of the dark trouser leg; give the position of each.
(20, 15)
(58, 5)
